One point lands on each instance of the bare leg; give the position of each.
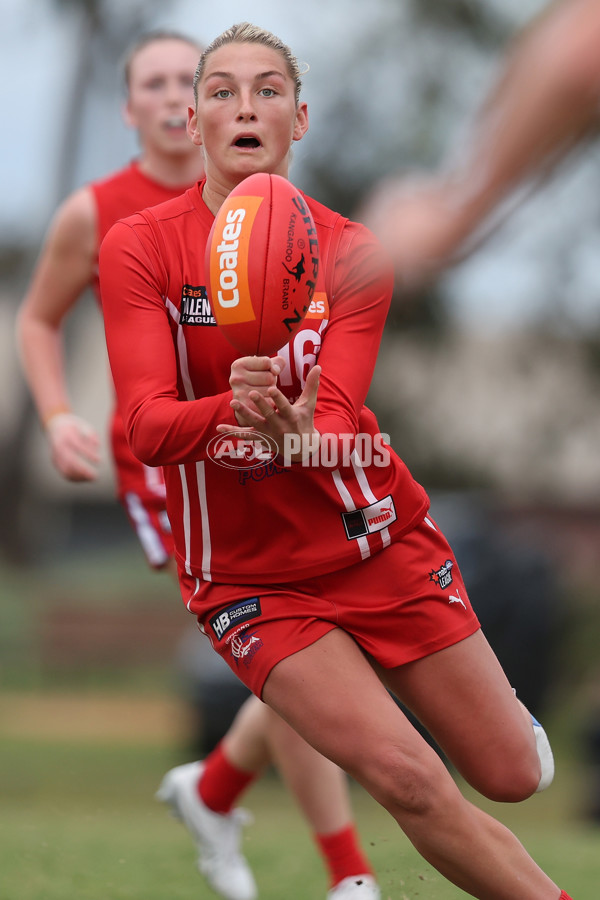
(463, 698)
(319, 786)
(247, 744)
(257, 736)
(357, 724)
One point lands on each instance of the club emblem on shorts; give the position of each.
(244, 646)
(443, 575)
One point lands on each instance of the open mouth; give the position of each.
(176, 122)
(251, 143)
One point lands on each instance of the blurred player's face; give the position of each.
(160, 91)
(247, 117)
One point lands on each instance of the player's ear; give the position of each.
(192, 126)
(128, 117)
(301, 124)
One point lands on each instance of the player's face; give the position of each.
(160, 91)
(247, 117)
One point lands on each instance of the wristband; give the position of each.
(55, 411)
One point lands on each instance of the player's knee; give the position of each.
(509, 779)
(406, 785)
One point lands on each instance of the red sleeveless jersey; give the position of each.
(124, 193)
(117, 196)
(171, 365)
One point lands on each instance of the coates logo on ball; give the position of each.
(262, 260)
(234, 452)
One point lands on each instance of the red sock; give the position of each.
(343, 854)
(564, 896)
(221, 782)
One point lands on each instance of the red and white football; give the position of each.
(262, 260)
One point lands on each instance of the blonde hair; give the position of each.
(245, 33)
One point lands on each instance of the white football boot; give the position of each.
(544, 751)
(217, 836)
(357, 887)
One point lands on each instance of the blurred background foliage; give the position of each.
(487, 383)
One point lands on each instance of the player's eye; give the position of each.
(155, 84)
(223, 93)
(268, 92)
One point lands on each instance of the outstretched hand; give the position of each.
(421, 223)
(269, 412)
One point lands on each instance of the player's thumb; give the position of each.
(309, 394)
(277, 364)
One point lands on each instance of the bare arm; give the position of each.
(545, 101)
(64, 269)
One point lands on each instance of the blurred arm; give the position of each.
(64, 269)
(545, 101)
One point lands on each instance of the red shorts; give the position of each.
(150, 522)
(406, 602)
(141, 490)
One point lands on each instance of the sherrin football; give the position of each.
(262, 260)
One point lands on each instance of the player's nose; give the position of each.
(245, 110)
(177, 94)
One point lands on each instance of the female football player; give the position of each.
(159, 72)
(348, 586)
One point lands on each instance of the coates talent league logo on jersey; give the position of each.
(195, 306)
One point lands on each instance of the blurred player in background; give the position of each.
(354, 589)
(545, 102)
(159, 72)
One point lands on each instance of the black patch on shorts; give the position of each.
(231, 616)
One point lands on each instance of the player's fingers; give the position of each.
(237, 431)
(246, 415)
(253, 363)
(74, 468)
(311, 387)
(241, 379)
(89, 450)
(75, 446)
(81, 473)
(277, 364)
(266, 405)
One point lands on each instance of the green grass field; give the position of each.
(82, 751)
(79, 821)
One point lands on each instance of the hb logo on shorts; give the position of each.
(233, 615)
